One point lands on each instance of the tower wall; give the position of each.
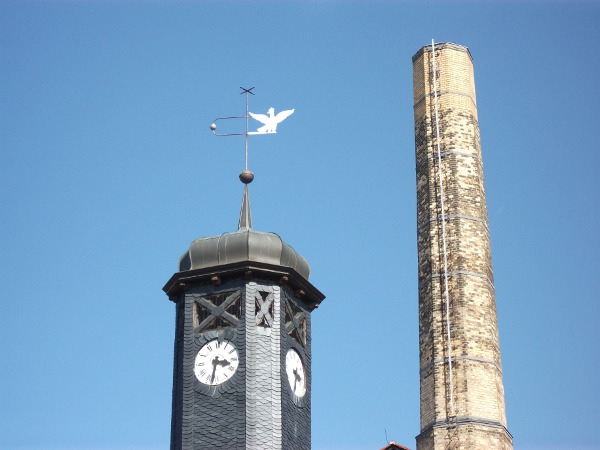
(203, 416)
(468, 411)
(255, 409)
(263, 371)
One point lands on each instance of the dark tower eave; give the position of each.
(181, 281)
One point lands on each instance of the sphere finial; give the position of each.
(246, 176)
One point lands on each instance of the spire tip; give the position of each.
(245, 216)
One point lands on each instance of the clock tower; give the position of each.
(242, 359)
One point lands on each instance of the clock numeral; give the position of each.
(218, 344)
(202, 372)
(231, 369)
(231, 351)
(234, 359)
(209, 348)
(200, 364)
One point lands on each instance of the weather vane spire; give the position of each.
(270, 122)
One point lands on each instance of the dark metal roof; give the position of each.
(243, 245)
(244, 254)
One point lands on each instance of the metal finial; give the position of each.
(246, 176)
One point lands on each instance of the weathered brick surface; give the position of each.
(478, 418)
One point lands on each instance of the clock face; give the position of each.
(296, 375)
(216, 362)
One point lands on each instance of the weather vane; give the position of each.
(269, 122)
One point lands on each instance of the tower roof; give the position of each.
(242, 254)
(244, 245)
(240, 246)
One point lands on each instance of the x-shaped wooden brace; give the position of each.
(219, 311)
(296, 323)
(264, 303)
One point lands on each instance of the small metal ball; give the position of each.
(246, 176)
(213, 126)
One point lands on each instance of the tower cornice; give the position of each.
(440, 46)
(285, 276)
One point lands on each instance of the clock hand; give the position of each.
(220, 362)
(298, 377)
(215, 361)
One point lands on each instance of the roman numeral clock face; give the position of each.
(216, 362)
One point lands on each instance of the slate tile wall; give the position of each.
(206, 417)
(263, 386)
(256, 408)
(296, 411)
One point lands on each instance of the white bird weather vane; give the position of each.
(269, 121)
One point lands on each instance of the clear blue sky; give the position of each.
(109, 171)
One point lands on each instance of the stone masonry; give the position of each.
(468, 411)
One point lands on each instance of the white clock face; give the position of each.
(296, 375)
(216, 362)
